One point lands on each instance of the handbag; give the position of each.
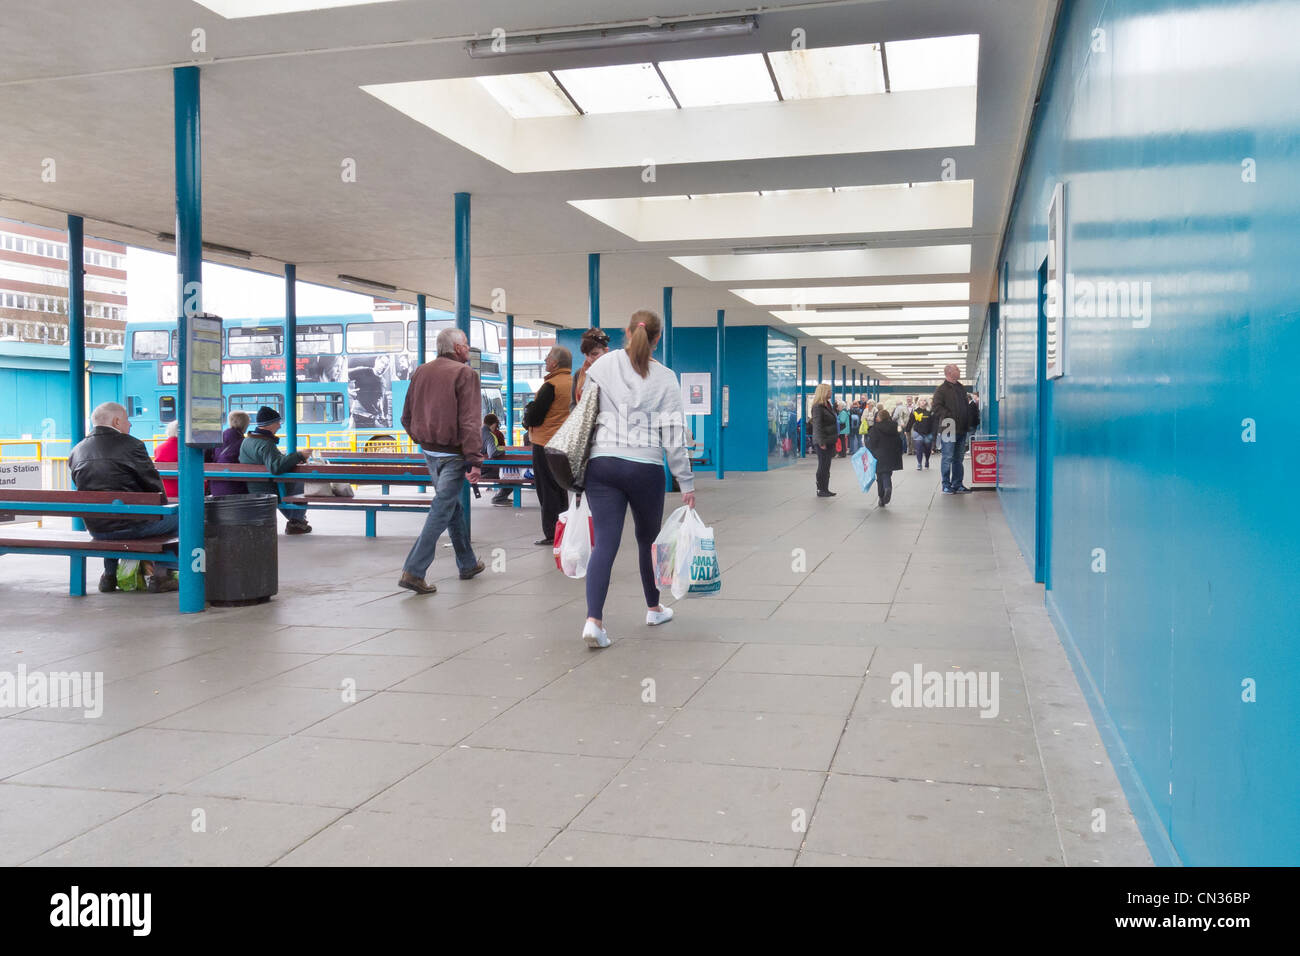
(570, 447)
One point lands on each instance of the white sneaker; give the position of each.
(659, 617)
(594, 636)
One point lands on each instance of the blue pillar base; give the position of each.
(370, 524)
(77, 577)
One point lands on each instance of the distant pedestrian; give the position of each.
(493, 442)
(595, 343)
(228, 454)
(883, 443)
(842, 425)
(855, 423)
(167, 452)
(639, 420)
(543, 417)
(922, 427)
(952, 416)
(824, 432)
(442, 409)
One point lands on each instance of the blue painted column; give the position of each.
(844, 383)
(832, 381)
(462, 298)
(819, 368)
(593, 289)
(995, 325)
(668, 327)
(803, 402)
(421, 329)
(510, 378)
(189, 268)
(717, 397)
(77, 370)
(290, 357)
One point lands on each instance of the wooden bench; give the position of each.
(77, 546)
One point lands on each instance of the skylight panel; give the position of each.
(626, 88)
(829, 295)
(236, 9)
(720, 80)
(831, 71)
(528, 95)
(933, 63)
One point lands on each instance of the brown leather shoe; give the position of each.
(412, 583)
(161, 583)
(477, 569)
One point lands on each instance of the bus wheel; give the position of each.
(385, 443)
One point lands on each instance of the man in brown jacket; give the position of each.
(443, 406)
(543, 417)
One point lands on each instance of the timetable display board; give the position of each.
(204, 410)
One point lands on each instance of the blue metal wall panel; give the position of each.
(1155, 125)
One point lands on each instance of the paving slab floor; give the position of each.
(349, 722)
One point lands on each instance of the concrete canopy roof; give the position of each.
(89, 86)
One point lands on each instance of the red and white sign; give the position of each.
(984, 463)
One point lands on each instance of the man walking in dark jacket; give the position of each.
(952, 425)
(443, 404)
(110, 459)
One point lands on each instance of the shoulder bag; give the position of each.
(570, 447)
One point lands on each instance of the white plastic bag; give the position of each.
(704, 574)
(664, 553)
(575, 545)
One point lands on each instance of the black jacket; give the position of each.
(951, 401)
(922, 426)
(885, 446)
(825, 427)
(107, 460)
(974, 423)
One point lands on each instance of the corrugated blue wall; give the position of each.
(1156, 116)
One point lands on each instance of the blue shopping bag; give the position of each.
(864, 466)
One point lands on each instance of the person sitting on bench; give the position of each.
(110, 459)
(258, 448)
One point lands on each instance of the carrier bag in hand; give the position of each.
(864, 466)
(664, 552)
(579, 535)
(704, 576)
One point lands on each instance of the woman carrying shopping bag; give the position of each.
(640, 420)
(825, 429)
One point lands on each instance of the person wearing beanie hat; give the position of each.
(259, 448)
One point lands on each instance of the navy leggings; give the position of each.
(612, 485)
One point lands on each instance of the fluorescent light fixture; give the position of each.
(600, 39)
(719, 80)
(211, 247)
(819, 295)
(933, 63)
(952, 314)
(876, 331)
(528, 95)
(547, 325)
(855, 260)
(625, 88)
(368, 283)
(829, 71)
(236, 9)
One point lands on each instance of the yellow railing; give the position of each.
(390, 440)
(33, 449)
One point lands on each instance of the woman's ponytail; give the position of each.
(642, 331)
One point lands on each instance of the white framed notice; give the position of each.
(14, 475)
(697, 392)
(726, 405)
(1056, 285)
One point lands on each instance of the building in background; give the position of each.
(34, 287)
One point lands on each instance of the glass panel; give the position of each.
(627, 88)
(528, 95)
(476, 335)
(933, 63)
(319, 339)
(150, 344)
(782, 400)
(492, 342)
(254, 342)
(375, 336)
(320, 408)
(720, 80)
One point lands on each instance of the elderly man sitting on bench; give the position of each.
(110, 459)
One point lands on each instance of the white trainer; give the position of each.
(659, 617)
(594, 636)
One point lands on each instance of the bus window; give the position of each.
(251, 403)
(167, 408)
(492, 344)
(319, 339)
(320, 408)
(492, 405)
(150, 344)
(476, 334)
(431, 329)
(375, 337)
(254, 342)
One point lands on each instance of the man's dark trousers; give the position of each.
(553, 499)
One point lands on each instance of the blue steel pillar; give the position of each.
(421, 329)
(819, 368)
(290, 357)
(668, 326)
(189, 268)
(844, 383)
(803, 402)
(995, 323)
(832, 381)
(462, 297)
(717, 392)
(593, 289)
(77, 370)
(510, 378)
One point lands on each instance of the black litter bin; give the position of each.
(242, 549)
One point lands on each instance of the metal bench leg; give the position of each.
(370, 523)
(77, 576)
(519, 496)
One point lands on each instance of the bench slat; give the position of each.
(85, 497)
(76, 541)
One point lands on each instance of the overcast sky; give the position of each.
(228, 292)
